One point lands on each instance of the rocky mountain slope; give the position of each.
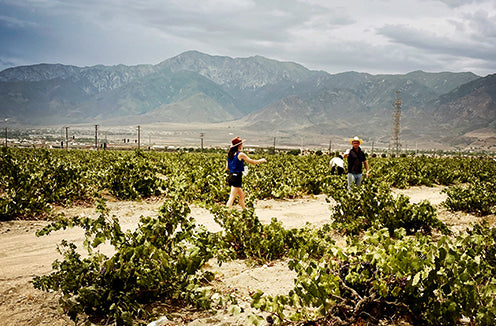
(257, 92)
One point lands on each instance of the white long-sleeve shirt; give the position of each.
(336, 161)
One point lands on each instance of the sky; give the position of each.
(372, 36)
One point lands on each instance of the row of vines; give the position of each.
(400, 262)
(33, 180)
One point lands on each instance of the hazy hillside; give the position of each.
(253, 82)
(469, 107)
(358, 102)
(259, 93)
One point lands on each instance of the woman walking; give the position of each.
(235, 166)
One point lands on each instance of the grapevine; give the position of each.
(400, 261)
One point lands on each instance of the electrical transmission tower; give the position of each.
(395, 138)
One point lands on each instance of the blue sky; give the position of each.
(374, 36)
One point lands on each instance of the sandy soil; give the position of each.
(23, 256)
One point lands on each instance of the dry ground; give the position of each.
(23, 256)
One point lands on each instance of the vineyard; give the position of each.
(399, 261)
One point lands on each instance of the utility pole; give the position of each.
(274, 144)
(330, 146)
(139, 131)
(395, 137)
(96, 137)
(6, 133)
(201, 141)
(66, 138)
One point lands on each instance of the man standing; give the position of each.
(355, 158)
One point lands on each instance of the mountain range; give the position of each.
(258, 94)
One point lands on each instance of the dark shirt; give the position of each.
(355, 160)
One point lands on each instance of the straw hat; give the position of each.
(237, 141)
(356, 139)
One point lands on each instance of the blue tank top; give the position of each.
(235, 165)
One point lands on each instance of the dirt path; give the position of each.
(23, 255)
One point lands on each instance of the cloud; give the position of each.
(340, 35)
(483, 25)
(467, 41)
(240, 21)
(460, 3)
(15, 23)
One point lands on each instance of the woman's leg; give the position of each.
(232, 196)
(236, 191)
(241, 194)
